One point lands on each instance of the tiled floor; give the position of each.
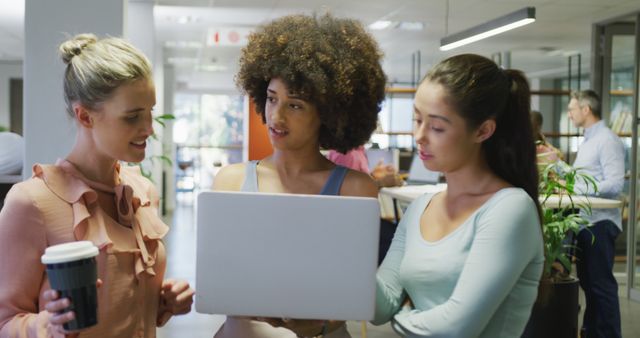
(181, 264)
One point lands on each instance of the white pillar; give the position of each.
(169, 148)
(140, 31)
(48, 131)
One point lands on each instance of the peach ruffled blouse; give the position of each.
(57, 205)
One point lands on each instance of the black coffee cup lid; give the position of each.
(69, 252)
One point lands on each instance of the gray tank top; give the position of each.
(331, 187)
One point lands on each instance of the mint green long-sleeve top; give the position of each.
(481, 280)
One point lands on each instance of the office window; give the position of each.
(208, 134)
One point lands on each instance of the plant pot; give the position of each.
(556, 316)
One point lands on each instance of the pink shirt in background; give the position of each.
(355, 159)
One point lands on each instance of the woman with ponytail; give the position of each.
(466, 262)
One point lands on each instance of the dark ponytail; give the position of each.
(479, 90)
(511, 151)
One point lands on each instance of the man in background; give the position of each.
(600, 155)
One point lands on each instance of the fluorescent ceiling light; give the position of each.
(496, 26)
(13, 8)
(410, 25)
(182, 19)
(380, 25)
(212, 68)
(183, 44)
(402, 25)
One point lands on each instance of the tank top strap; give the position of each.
(334, 183)
(250, 177)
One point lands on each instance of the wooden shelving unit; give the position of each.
(549, 92)
(400, 90)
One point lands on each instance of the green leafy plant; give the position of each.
(559, 178)
(161, 120)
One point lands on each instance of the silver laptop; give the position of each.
(286, 255)
(419, 174)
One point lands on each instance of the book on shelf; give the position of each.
(622, 123)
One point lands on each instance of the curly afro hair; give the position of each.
(331, 62)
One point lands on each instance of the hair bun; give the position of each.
(75, 45)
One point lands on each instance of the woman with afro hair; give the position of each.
(318, 84)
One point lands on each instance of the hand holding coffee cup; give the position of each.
(72, 273)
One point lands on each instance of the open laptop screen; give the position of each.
(286, 255)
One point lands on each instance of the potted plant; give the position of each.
(555, 313)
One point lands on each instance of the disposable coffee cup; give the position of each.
(72, 271)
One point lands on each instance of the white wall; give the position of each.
(8, 70)
(48, 132)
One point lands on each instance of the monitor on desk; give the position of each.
(419, 174)
(386, 156)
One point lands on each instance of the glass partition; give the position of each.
(615, 63)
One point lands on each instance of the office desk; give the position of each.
(389, 197)
(6, 181)
(557, 201)
(10, 179)
(406, 194)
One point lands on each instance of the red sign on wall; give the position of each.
(228, 36)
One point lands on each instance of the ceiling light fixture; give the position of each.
(402, 25)
(183, 44)
(410, 25)
(380, 25)
(496, 26)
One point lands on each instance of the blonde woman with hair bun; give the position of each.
(88, 195)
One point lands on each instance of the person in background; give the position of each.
(88, 195)
(385, 175)
(600, 155)
(317, 83)
(546, 152)
(466, 262)
(11, 153)
(355, 159)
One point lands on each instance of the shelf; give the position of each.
(551, 92)
(626, 92)
(410, 133)
(577, 135)
(409, 90)
(398, 90)
(561, 134)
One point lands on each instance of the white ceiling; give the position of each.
(562, 27)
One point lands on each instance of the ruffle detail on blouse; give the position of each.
(136, 212)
